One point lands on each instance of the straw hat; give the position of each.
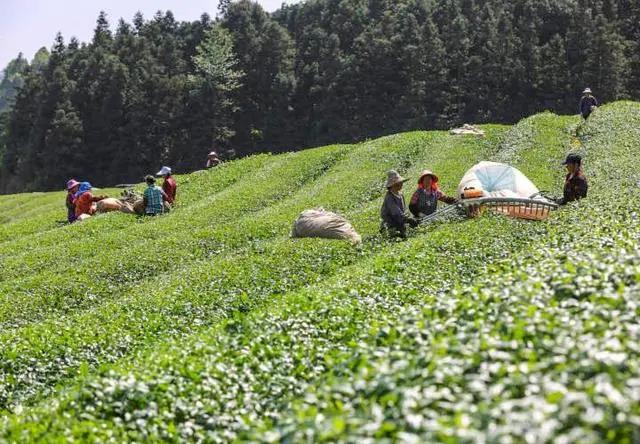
(587, 91)
(427, 173)
(393, 177)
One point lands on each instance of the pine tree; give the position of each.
(102, 33)
(608, 61)
(433, 70)
(217, 78)
(138, 21)
(552, 76)
(312, 73)
(456, 37)
(223, 7)
(64, 137)
(629, 13)
(40, 59)
(267, 63)
(12, 80)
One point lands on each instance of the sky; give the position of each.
(28, 25)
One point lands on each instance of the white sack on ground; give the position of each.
(132, 202)
(497, 180)
(108, 205)
(467, 130)
(324, 224)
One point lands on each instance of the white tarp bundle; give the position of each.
(324, 224)
(467, 130)
(497, 180)
(108, 205)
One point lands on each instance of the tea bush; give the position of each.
(237, 264)
(489, 329)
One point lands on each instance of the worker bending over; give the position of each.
(153, 198)
(394, 219)
(84, 201)
(575, 185)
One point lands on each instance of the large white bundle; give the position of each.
(467, 130)
(108, 205)
(497, 180)
(324, 224)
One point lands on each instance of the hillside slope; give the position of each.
(210, 323)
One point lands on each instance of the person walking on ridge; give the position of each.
(588, 103)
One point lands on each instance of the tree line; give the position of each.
(160, 91)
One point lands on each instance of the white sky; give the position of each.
(27, 25)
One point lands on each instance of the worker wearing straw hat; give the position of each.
(588, 103)
(394, 219)
(425, 200)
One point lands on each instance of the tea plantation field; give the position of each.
(211, 324)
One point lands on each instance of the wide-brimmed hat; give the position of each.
(213, 154)
(587, 91)
(427, 173)
(573, 158)
(72, 183)
(164, 171)
(393, 177)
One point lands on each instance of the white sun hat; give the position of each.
(164, 171)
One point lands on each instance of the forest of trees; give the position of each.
(160, 91)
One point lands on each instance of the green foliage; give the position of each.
(215, 60)
(211, 324)
(11, 81)
(160, 91)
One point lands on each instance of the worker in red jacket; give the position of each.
(169, 186)
(84, 200)
(424, 201)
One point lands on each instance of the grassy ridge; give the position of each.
(486, 329)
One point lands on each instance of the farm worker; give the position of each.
(213, 160)
(153, 197)
(392, 212)
(588, 103)
(72, 188)
(84, 200)
(575, 185)
(169, 185)
(425, 200)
